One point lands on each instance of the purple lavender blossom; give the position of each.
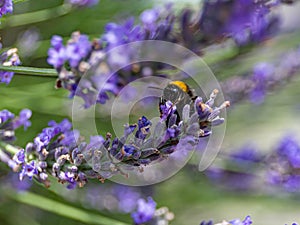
(29, 170)
(208, 116)
(6, 7)
(5, 115)
(8, 58)
(167, 109)
(127, 32)
(77, 49)
(246, 221)
(206, 223)
(19, 157)
(9, 123)
(22, 119)
(143, 128)
(57, 53)
(69, 177)
(144, 212)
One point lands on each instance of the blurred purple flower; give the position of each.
(118, 34)
(127, 197)
(144, 212)
(284, 163)
(262, 74)
(290, 148)
(264, 77)
(6, 6)
(206, 223)
(246, 154)
(234, 174)
(245, 21)
(17, 184)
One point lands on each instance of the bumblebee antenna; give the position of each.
(158, 88)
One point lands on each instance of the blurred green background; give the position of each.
(188, 194)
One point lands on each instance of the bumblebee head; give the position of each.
(183, 86)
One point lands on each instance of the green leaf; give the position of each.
(62, 209)
(33, 71)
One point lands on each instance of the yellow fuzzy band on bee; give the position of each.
(181, 85)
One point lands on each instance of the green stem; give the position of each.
(33, 71)
(62, 209)
(37, 16)
(10, 148)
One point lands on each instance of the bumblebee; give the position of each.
(180, 94)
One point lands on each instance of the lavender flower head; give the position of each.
(264, 76)
(8, 58)
(73, 160)
(80, 54)
(6, 6)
